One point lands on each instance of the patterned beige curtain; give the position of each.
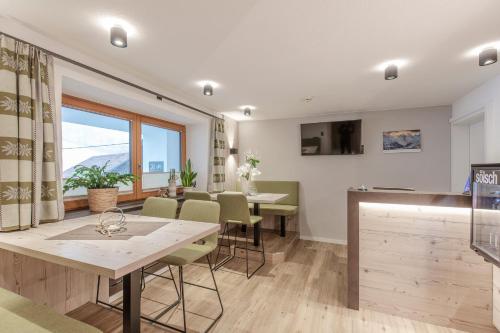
(217, 176)
(30, 179)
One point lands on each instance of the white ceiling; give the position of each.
(275, 53)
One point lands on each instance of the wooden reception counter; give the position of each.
(409, 255)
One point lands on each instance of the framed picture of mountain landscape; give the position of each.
(409, 141)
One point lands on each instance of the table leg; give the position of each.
(256, 227)
(282, 226)
(132, 302)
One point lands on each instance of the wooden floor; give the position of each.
(307, 293)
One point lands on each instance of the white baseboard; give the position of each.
(324, 240)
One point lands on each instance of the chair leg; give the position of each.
(171, 306)
(220, 244)
(181, 285)
(218, 295)
(173, 280)
(230, 257)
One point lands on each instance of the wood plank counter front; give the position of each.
(409, 255)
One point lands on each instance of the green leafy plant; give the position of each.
(188, 176)
(96, 177)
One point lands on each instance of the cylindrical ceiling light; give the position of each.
(391, 72)
(247, 112)
(488, 57)
(118, 36)
(208, 90)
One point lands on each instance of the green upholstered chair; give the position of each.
(286, 207)
(198, 211)
(160, 207)
(197, 195)
(19, 314)
(234, 210)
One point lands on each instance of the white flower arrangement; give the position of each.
(248, 169)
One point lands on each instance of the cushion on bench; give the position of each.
(19, 314)
(286, 207)
(276, 209)
(280, 186)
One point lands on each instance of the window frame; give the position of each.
(78, 202)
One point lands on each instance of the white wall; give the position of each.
(482, 102)
(325, 179)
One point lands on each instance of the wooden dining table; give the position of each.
(257, 199)
(69, 243)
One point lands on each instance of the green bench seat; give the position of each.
(279, 210)
(284, 208)
(20, 315)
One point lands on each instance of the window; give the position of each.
(161, 149)
(93, 139)
(95, 134)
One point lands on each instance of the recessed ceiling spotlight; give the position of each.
(208, 90)
(475, 52)
(488, 56)
(208, 86)
(109, 22)
(391, 72)
(247, 109)
(399, 63)
(118, 36)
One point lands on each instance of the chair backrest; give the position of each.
(202, 211)
(197, 195)
(160, 207)
(233, 207)
(280, 186)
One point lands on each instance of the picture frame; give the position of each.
(402, 141)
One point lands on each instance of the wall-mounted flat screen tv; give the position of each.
(331, 138)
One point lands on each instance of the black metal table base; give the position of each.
(256, 227)
(282, 226)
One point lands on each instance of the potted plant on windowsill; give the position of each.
(188, 177)
(102, 189)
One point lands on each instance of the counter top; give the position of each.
(442, 199)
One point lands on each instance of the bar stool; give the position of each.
(234, 210)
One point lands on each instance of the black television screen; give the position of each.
(331, 138)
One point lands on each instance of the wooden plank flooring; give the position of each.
(307, 293)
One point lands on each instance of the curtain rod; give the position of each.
(128, 83)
